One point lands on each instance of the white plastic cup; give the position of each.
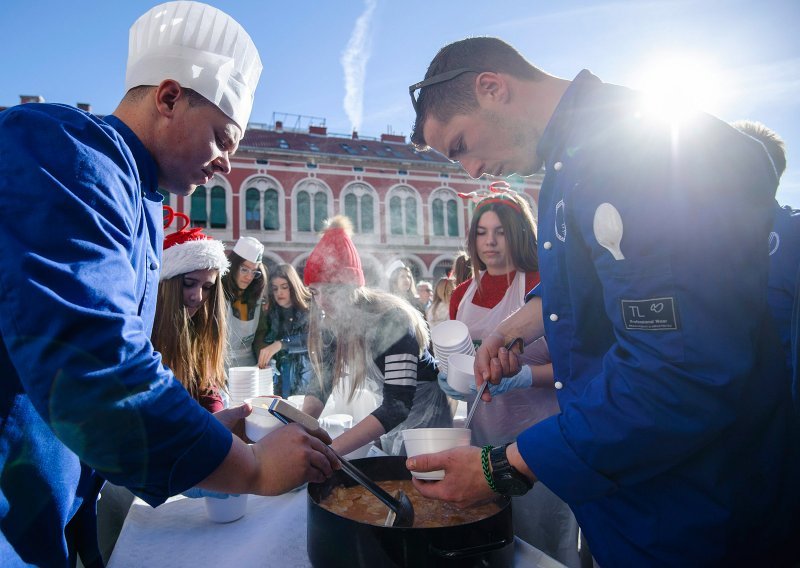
(433, 440)
(336, 424)
(296, 400)
(226, 510)
(260, 422)
(461, 372)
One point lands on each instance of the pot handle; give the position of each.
(473, 550)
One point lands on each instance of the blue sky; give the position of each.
(351, 61)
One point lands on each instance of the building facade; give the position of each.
(286, 182)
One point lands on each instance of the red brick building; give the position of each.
(285, 182)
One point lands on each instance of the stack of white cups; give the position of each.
(242, 384)
(265, 385)
(449, 338)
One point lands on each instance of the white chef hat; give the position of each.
(249, 249)
(200, 47)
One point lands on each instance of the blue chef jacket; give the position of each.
(784, 262)
(676, 444)
(81, 389)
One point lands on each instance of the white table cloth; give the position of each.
(272, 533)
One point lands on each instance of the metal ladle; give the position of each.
(401, 513)
(509, 346)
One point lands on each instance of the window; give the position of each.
(219, 217)
(403, 205)
(252, 212)
(311, 207)
(445, 214)
(282, 143)
(271, 213)
(197, 211)
(261, 206)
(303, 211)
(359, 206)
(320, 210)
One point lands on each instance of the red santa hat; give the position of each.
(335, 259)
(190, 250)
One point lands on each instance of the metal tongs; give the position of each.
(509, 346)
(401, 512)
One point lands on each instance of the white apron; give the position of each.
(240, 339)
(540, 517)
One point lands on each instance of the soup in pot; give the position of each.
(358, 504)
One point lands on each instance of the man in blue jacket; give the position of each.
(784, 239)
(83, 396)
(676, 444)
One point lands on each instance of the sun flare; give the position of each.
(678, 84)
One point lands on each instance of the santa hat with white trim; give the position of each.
(189, 250)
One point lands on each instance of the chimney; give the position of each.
(397, 138)
(278, 126)
(24, 99)
(355, 135)
(85, 106)
(321, 130)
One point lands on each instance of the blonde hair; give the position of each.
(193, 348)
(444, 289)
(363, 311)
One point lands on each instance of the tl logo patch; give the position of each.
(654, 314)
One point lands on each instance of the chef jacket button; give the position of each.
(553, 317)
(153, 265)
(557, 166)
(547, 245)
(559, 385)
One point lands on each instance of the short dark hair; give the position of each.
(445, 100)
(776, 147)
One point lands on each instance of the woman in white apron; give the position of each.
(244, 288)
(502, 245)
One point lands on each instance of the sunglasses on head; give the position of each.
(435, 80)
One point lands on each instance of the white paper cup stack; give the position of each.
(450, 337)
(242, 384)
(265, 384)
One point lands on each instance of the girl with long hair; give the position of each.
(440, 306)
(368, 339)
(190, 329)
(244, 290)
(402, 285)
(282, 333)
(502, 245)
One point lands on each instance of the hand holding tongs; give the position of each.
(509, 347)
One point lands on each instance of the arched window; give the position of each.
(271, 216)
(359, 206)
(252, 211)
(403, 212)
(198, 210)
(219, 217)
(311, 206)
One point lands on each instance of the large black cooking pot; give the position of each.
(335, 541)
